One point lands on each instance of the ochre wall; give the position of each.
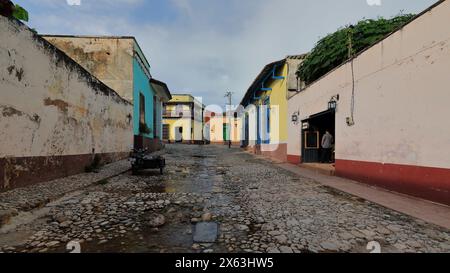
(278, 136)
(109, 59)
(215, 127)
(173, 118)
(54, 116)
(278, 112)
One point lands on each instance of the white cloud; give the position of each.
(210, 47)
(73, 2)
(374, 2)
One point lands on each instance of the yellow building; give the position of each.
(264, 118)
(183, 120)
(218, 130)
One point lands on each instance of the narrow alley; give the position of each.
(254, 205)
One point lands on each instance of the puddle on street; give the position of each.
(171, 238)
(176, 236)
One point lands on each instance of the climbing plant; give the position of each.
(20, 13)
(335, 49)
(8, 9)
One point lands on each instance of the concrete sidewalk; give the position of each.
(422, 209)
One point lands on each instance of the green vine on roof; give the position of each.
(20, 13)
(333, 50)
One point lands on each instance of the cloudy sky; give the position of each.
(206, 47)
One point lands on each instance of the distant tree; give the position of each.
(8, 9)
(334, 49)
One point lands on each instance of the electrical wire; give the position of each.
(352, 104)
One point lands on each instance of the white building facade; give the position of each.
(390, 123)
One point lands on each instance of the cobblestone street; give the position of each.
(258, 207)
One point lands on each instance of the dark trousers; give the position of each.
(326, 155)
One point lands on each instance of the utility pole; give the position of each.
(229, 95)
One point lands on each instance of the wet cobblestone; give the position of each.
(258, 207)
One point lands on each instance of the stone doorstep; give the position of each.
(325, 169)
(318, 168)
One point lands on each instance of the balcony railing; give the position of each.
(177, 114)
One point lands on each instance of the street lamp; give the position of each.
(332, 104)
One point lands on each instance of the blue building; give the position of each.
(120, 63)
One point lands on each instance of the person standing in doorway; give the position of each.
(327, 146)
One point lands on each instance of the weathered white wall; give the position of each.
(252, 124)
(315, 100)
(50, 106)
(198, 130)
(402, 98)
(198, 120)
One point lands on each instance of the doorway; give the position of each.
(166, 132)
(226, 132)
(313, 130)
(246, 139)
(178, 134)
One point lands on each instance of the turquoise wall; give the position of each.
(141, 84)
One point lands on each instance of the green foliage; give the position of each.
(334, 49)
(20, 13)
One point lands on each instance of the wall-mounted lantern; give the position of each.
(332, 104)
(295, 117)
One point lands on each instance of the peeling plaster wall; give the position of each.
(401, 136)
(118, 62)
(108, 59)
(54, 115)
